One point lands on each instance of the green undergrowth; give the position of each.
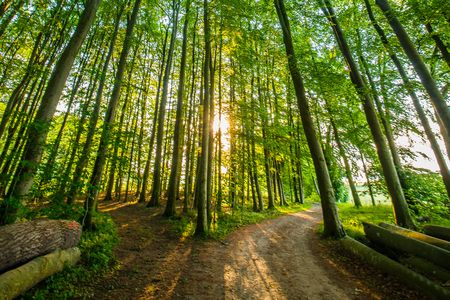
(229, 220)
(352, 217)
(96, 258)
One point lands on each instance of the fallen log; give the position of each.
(21, 242)
(377, 234)
(17, 281)
(402, 273)
(440, 232)
(417, 235)
(427, 268)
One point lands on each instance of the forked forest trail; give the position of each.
(276, 259)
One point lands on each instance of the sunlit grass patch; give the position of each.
(96, 258)
(353, 217)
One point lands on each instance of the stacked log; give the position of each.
(418, 236)
(440, 232)
(32, 251)
(393, 240)
(17, 281)
(21, 242)
(430, 256)
(407, 276)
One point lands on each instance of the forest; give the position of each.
(175, 123)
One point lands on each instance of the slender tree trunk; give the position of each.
(143, 192)
(233, 138)
(190, 125)
(267, 157)
(211, 159)
(202, 217)
(332, 224)
(94, 183)
(84, 157)
(421, 69)
(445, 173)
(439, 43)
(38, 131)
(348, 171)
(5, 20)
(366, 173)
(402, 214)
(133, 139)
(172, 190)
(156, 186)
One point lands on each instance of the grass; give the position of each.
(352, 217)
(96, 258)
(229, 220)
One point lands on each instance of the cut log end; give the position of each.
(21, 242)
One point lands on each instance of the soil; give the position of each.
(282, 258)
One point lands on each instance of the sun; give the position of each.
(221, 123)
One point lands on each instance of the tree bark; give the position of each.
(156, 185)
(23, 241)
(37, 134)
(94, 182)
(445, 173)
(172, 190)
(407, 276)
(143, 192)
(421, 69)
(202, 216)
(84, 157)
(348, 170)
(399, 242)
(440, 232)
(16, 282)
(439, 43)
(332, 224)
(417, 235)
(402, 214)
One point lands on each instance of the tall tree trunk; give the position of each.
(190, 148)
(94, 182)
(5, 20)
(172, 190)
(202, 217)
(50, 163)
(366, 173)
(439, 43)
(332, 224)
(133, 139)
(143, 192)
(156, 185)
(445, 173)
(39, 128)
(84, 157)
(210, 181)
(348, 170)
(421, 69)
(402, 214)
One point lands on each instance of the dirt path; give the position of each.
(276, 259)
